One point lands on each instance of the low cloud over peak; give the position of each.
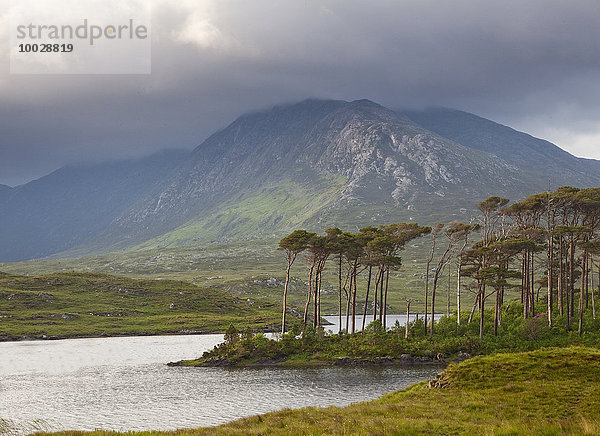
(533, 65)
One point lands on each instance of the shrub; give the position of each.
(232, 336)
(532, 328)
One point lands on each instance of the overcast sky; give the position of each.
(530, 64)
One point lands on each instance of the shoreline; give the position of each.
(185, 332)
(403, 360)
(115, 335)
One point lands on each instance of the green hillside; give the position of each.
(274, 209)
(85, 304)
(247, 269)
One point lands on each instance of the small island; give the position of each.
(378, 347)
(314, 347)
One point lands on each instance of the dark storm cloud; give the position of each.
(531, 64)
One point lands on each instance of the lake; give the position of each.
(124, 384)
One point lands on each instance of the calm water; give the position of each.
(124, 384)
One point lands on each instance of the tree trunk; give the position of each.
(550, 281)
(500, 306)
(315, 299)
(458, 293)
(526, 285)
(475, 306)
(407, 319)
(497, 312)
(319, 277)
(381, 292)
(340, 292)
(569, 290)
(593, 289)
(433, 241)
(523, 278)
(377, 283)
(285, 290)
(572, 274)
(482, 304)
(367, 297)
(354, 298)
(532, 285)
(380, 302)
(582, 292)
(426, 292)
(561, 277)
(308, 294)
(433, 289)
(348, 305)
(347, 294)
(550, 256)
(587, 293)
(448, 293)
(387, 278)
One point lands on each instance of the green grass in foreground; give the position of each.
(88, 304)
(552, 391)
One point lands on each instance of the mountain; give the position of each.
(316, 164)
(66, 208)
(546, 162)
(313, 164)
(4, 191)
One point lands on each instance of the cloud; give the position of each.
(4, 35)
(197, 27)
(581, 144)
(201, 32)
(530, 65)
(584, 145)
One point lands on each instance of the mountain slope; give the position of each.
(314, 164)
(544, 160)
(71, 205)
(4, 192)
(267, 173)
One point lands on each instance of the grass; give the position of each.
(234, 270)
(551, 391)
(93, 304)
(275, 208)
(244, 268)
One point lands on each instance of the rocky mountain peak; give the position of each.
(362, 152)
(315, 164)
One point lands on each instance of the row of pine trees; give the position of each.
(547, 245)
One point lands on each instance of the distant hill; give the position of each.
(313, 164)
(73, 204)
(542, 159)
